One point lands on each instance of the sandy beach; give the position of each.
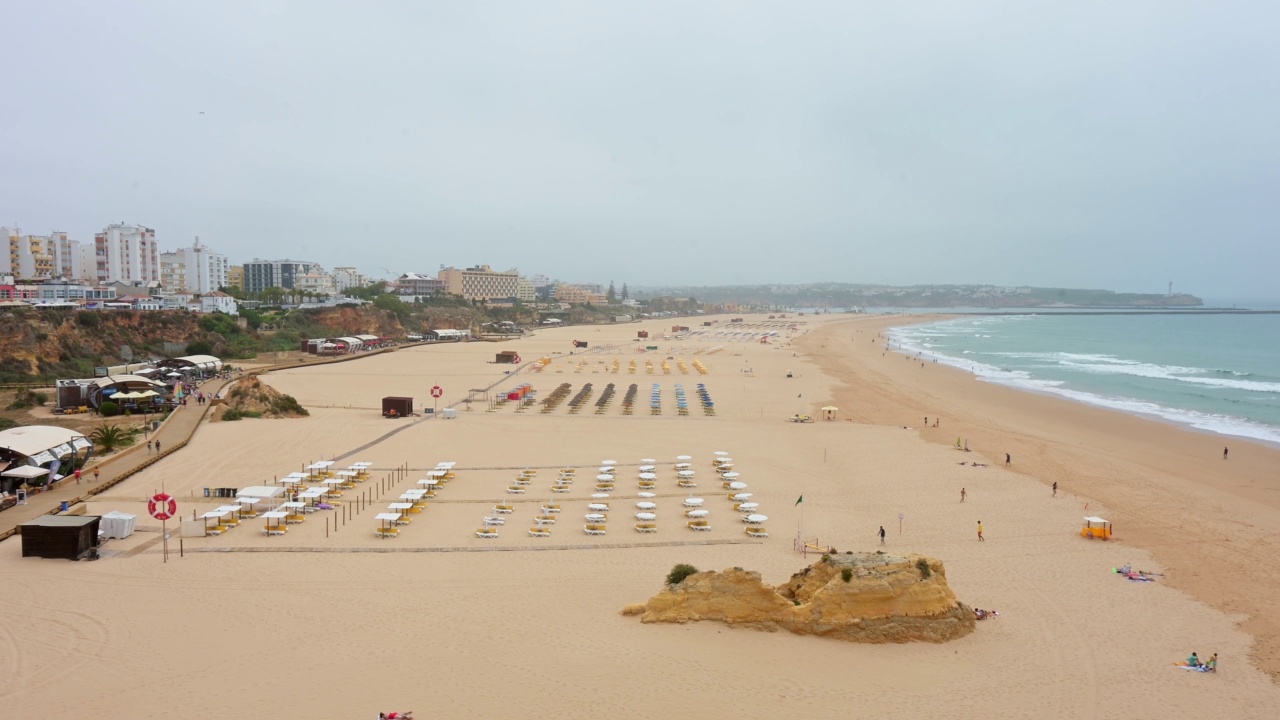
(331, 622)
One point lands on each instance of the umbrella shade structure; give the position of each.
(748, 507)
(646, 505)
(595, 517)
(599, 507)
(608, 462)
(320, 465)
(693, 502)
(737, 485)
(698, 513)
(741, 497)
(646, 494)
(684, 458)
(720, 453)
(604, 478)
(647, 468)
(648, 461)
(684, 473)
(729, 475)
(646, 516)
(148, 393)
(755, 519)
(601, 495)
(648, 476)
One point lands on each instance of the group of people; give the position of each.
(980, 614)
(1210, 665)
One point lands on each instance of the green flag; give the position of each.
(799, 499)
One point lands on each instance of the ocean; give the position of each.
(1216, 373)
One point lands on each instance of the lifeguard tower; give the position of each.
(1096, 527)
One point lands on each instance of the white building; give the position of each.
(218, 302)
(127, 253)
(418, 285)
(262, 274)
(317, 282)
(345, 278)
(195, 269)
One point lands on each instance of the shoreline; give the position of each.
(1210, 523)
(1101, 400)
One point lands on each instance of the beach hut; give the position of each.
(829, 412)
(1096, 527)
(507, 357)
(397, 406)
(69, 537)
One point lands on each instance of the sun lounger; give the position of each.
(388, 532)
(593, 529)
(646, 527)
(486, 532)
(539, 532)
(550, 509)
(560, 488)
(515, 490)
(544, 520)
(699, 525)
(757, 531)
(504, 509)
(494, 521)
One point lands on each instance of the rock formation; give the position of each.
(250, 397)
(888, 598)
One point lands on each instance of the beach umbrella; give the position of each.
(684, 457)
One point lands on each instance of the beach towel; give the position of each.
(1195, 668)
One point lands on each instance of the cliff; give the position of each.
(887, 598)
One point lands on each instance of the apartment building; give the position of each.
(419, 285)
(316, 282)
(235, 277)
(262, 274)
(126, 253)
(579, 295)
(345, 278)
(480, 282)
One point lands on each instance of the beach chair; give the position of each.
(486, 532)
(550, 509)
(646, 527)
(274, 530)
(560, 488)
(515, 490)
(504, 509)
(489, 521)
(699, 525)
(757, 531)
(539, 532)
(687, 484)
(544, 520)
(388, 532)
(593, 529)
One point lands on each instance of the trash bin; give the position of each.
(206, 492)
(63, 508)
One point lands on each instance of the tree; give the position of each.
(107, 436)
(625, 295)
(612, 295)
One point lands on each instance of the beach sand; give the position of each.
(445, 624)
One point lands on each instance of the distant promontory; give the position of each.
(848, 296)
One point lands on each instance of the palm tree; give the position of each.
(107, 436)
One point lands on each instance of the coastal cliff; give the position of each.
(886, 598)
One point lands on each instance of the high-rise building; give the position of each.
(235, 277)
(66, 256)
(173, 272)
(127, 253)
(206, 270)
(262, 274)
(525, 291)
(480, 282)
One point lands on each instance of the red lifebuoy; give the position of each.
(162, 506)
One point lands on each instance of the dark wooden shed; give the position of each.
(69, 537)
(507, 357)
(403, 406)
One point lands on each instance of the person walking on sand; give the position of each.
(1224, 453)
(96, 472)
(881, 534)
(149, 444)
(157, 447)
(1008, 459)
(77, 476)
(1055, 488)
(962, 494)
(980, 538)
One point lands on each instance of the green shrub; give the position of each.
(108, 437)
(200, 347)
(20, 403)
(109, 409)
(87, 319)
(679, 573)
(6, 423)
(923, 566)
(846, 574)
(40, 398)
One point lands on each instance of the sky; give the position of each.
(1084, 144)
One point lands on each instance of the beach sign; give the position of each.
(162, 506)
(437, 391)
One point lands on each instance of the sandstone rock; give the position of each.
(888, 598)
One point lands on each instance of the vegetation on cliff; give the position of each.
(252, 398)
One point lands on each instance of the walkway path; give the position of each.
(173, 435)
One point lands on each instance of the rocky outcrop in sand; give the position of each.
(888, 598)
(250, 397)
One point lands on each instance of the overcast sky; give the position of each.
(1087, 144)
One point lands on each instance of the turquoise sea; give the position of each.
(1217, 373)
